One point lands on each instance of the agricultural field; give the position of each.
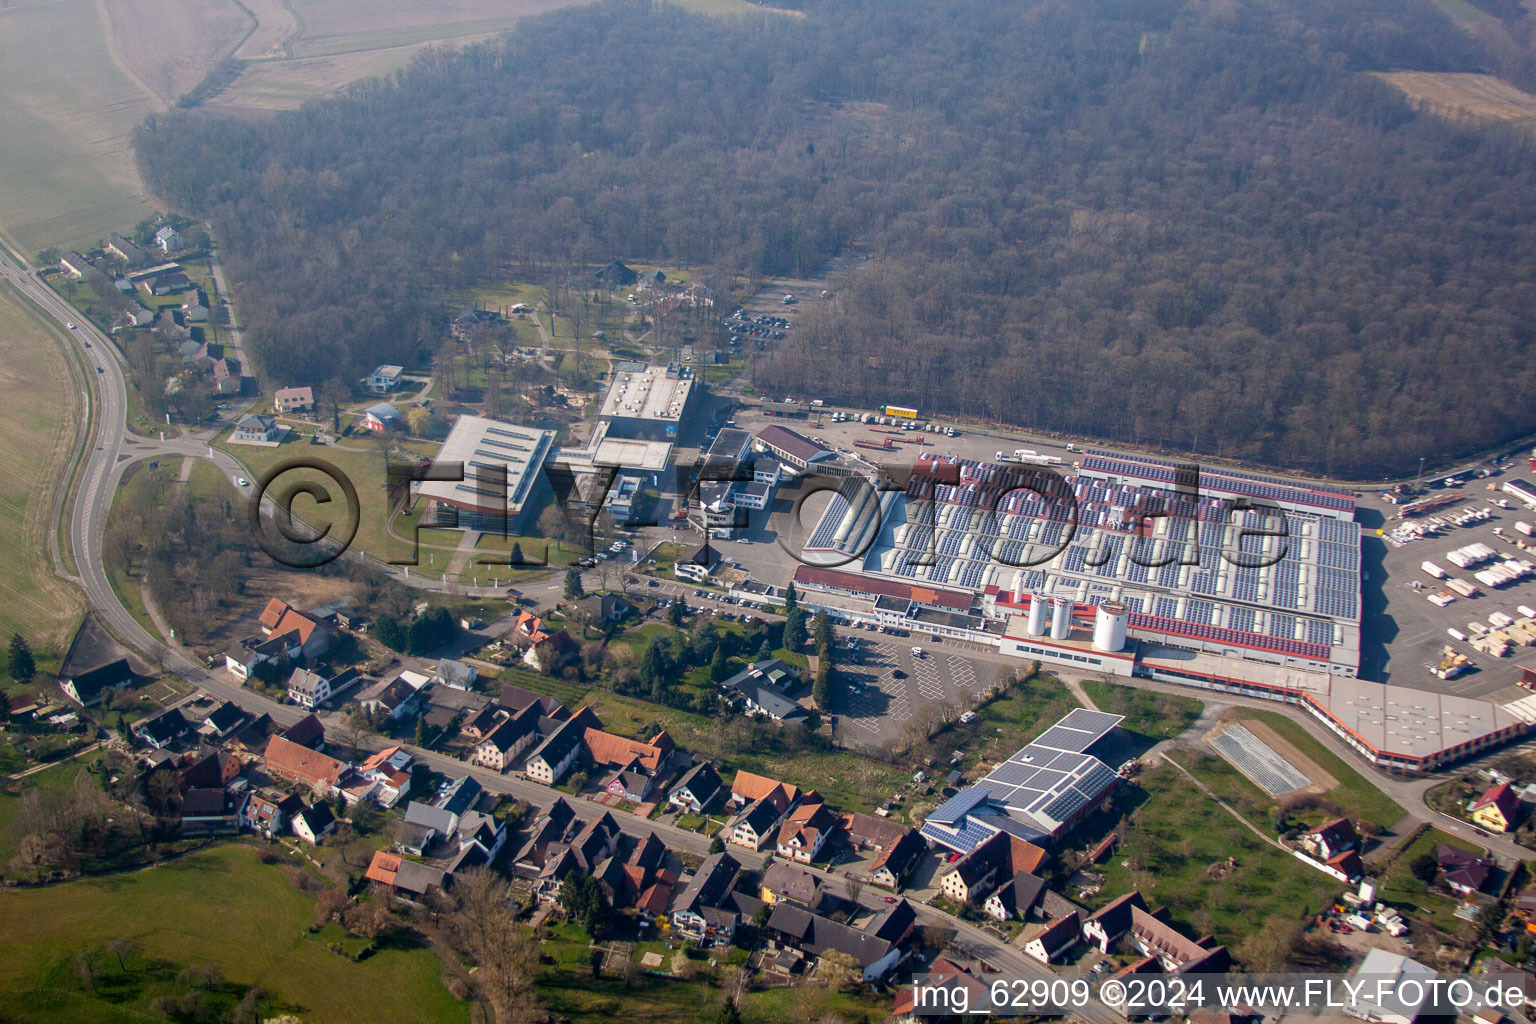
(67, 176)
(168, 46)
(1463, 97)
(178, 914)
(41, 412)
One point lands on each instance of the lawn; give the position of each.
(1177, 838)
(1012, 720)
(41, 408)
(1159, 716)
(1230, 785)
(1354, 795)
(362, 463)
(183, 912)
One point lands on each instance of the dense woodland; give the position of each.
(1198, 226)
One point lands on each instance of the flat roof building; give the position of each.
(650, 402)
(491, 452)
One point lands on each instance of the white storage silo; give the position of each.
(1061, 619)
(1037, 613)
(1109, 626)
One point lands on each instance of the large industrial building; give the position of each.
(1036, 795)
(502, 479)
(1138, 567)
(649, 402)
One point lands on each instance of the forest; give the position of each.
(1192, 227)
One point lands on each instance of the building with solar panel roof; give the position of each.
(502, 480)
(1036, 795)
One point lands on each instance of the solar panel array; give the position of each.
(1259, 761)
(1221, 481)
(953, 537)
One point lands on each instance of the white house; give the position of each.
(256, 428)
(169, 239)
(385, 378)
(308, 689)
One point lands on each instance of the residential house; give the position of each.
(1155, 937)
(1015, 898)
(88, 688)
(613, 751)
(124, 250)
(872, 832)
(480, 723)
(208, 769)
(797, 928)
(267, 815)
(754, 827)
(304, 767)
(708, 891)
(974, 875)
(457, 674)
(76, 265)
(162, 730)
(699, 789)
(222, 721)
(306, 732)
(553, 757)
(293, 399)
(252, 738)
(632, 782)
(950, 990)
(747, 787)
(1109, 923)
(550, 829)
(551, 652)
(615, 275)
(1465, 873)
(385, 378)
(424, 825)
(313, 824)
(1332, 839)
(756, 693)
(1058, 938)
(805, 831)
(515, 698)
(459, 795)
(395, 697)
(308, 689)
(194, 310)
(407, 879)
(242, 659)
(169, 239)
(208, 809)
(482, 830)
(1498, 809)
(262, 429)
(604, 608)
(783, 881)
(381, 417)
(168, 282)
(895, 864)
(390, 768)
(507, 739)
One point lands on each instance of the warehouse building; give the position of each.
(649, 402)
(503, 483)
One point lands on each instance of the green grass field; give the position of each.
(1159, 716)
(1354, 795)
(220, 905)
(1170, 846)
(41, 407)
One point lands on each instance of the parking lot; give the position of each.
(1405, 633)
(890, 684)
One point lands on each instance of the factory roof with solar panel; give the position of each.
(1038, 794)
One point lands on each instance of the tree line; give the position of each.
(1199, 227)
